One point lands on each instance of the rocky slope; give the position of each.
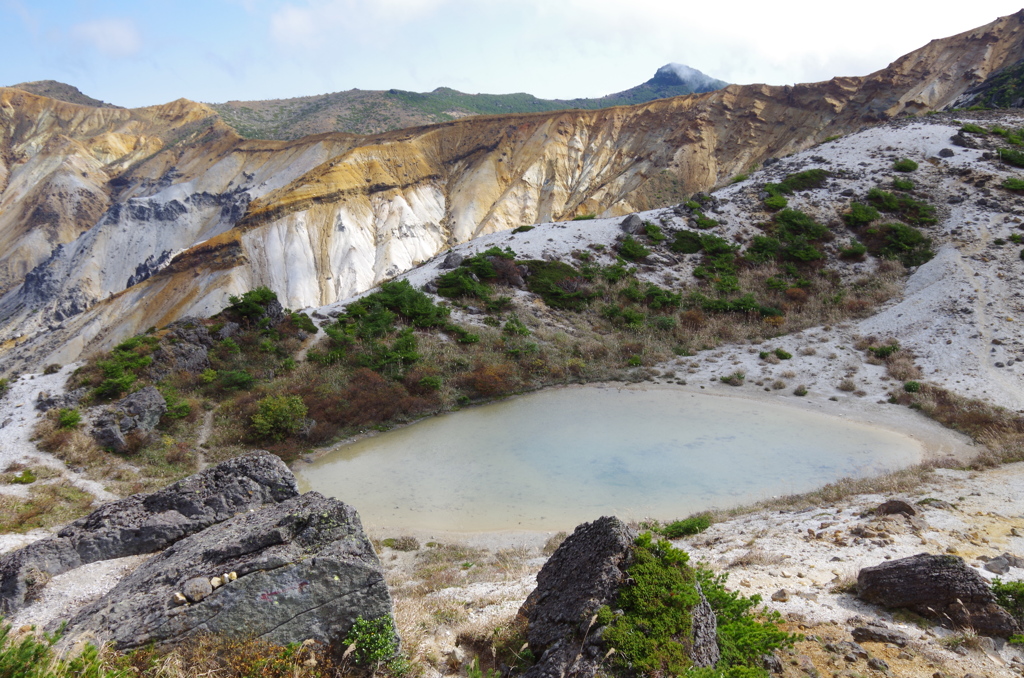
(175, 212)
(371, 112)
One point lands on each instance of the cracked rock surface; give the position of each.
(305, 570)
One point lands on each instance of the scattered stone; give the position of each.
(896, 506)
(305, 571)
(946, 153)
(875, 632)
(46, 402)
(939, 587)
(781, 596)
(144, 523)
(998, 565)
(197, 588)
(878, 664)
(771, 663)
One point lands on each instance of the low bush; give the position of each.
(686, 527)
(654, 232)
(901, 184)
(912, 386)
(1011, 157)
(1010, 596)
(904, 165)
(252, 304)
(686, 242)
(278, 416)
(632, 250)
(910, 210)
(734, 379)
(860, 215)
(855, 250)
(1013, 184)
(971, 128)
(901, 242)
(776, 202)
(68, 418)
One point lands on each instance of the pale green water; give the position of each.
(557, 458)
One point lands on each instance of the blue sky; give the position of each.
(143, 52)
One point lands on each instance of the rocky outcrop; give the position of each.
(584, 574)
(302, 569)
(145, 523)
(138, 411)
(939, 587)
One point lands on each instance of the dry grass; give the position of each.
(847, 385)
(48, 505)
(757, 557)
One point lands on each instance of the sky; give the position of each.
(145, 52)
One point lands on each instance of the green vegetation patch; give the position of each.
(899, 241)
(653, 633)
(559, 284)
(912, 211)
(905, 165)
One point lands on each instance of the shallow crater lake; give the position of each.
(553, 459)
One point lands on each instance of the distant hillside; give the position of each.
(368, 112)
(61, 92)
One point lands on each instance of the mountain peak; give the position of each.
(61, 92)
(680, 74)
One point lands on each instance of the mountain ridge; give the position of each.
(375, 111)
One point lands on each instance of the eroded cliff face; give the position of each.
(115, 220)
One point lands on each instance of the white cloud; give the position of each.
(315, 23)
(111, 37)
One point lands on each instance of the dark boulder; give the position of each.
(874, 632)
(584, 574)
(632, 224)
(453, 260)
(939, 587)
(46, 401)
(894, 507)
(302, 569)
(145, 523)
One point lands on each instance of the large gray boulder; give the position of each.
(305, 570)
(145, 523)
(939, 587)
(584, 574)
(138, 411)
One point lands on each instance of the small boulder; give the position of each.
(894, 507)
(196, 588)
(998, 565)
(453, 260)
(142, 409)
(874, 632)
(938, 587)
(632, 224)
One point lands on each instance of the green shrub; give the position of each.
(704, 222)
(26, 477)
(738, 178)
(800, 391)
(653, 631)
(232, 380)
(613, 273)
(734, 379)
(624, 316)
(911, 386)
(883, 352)
(584, 217)
(1011, 157)
(654, 232)
(686, 527)
(901, 184)
(651, 295)
(860, 215)
(462, 283)
(802, 181)
(910, 210)
(1010, 596)
(763, 249)
(68, 418)
(775, 202)
(744, 304)
(373, 642)
(1013, 184)
(791, 224)
(855, 250)
(278, 417)
(559, 284)
(904, 165)
(685, 242)
(631, 249)
(430, 382)
(251, 304)
(971, 128)
(782, 354)
(515, 327)
(898, 241)
(304, 323)
(522, 229)
(5, 385)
